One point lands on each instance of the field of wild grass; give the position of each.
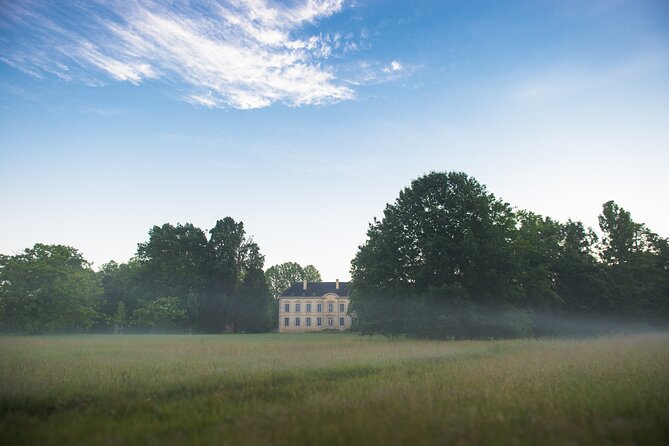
(332, 389)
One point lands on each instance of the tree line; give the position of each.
(180, 279)
(450, 260)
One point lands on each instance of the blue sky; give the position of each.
(304, 118)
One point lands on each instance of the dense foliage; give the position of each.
(280, 277)
(183, 279)
(179, 280)
(45, 289)
(449, 259)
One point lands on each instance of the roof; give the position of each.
(316, 289)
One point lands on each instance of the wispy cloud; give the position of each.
(238, 53)
(374, 72)
(393, 67)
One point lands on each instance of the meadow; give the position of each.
(332, 389)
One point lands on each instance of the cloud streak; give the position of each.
(240, 54)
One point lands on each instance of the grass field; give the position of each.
(332, 389)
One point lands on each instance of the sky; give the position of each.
(303, 118)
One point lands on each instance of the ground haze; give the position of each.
(333, 389)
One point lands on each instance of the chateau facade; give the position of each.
(314, 306)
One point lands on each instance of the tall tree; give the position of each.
(637, 267)
(537, 248)
(173, 263)
(623, 237)
(121, 283)
(440, 250)
(581, 281)
(254, 300)
(208, 276)
(230, 257)
(173, 259)
(47, 288)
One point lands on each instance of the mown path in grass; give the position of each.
(332, 389)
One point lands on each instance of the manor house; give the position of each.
(314, 306)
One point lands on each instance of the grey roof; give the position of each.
(316, 289)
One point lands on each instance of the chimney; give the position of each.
(304, 285)
(337, 284)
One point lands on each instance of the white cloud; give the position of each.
(132, 71)
(374, 72)
(238, 53)
(394, 66)
(203, 99)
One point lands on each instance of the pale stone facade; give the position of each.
(314, 306)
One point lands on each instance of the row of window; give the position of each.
(319, 308)
(307, 322)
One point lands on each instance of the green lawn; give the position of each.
(332, 389)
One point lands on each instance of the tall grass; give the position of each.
(332, 389)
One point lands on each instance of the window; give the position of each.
(330, 307)
(319, 308)
(319, 321)
(286, 308)
(341, 321)
(308, 308)
(341, 308)
(330, 322)
(286, 322)
(297, 308)
(308, 321)
(297, 321)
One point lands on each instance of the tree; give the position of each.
(450, 259)
(441, 253)
(205, 274)
(173, 260)
(121, 283)
(581, 283)
(120, 317)
(637, 267)
(280, 277)
(311, 274)
(47, 288)
(562, 282)
(254, 312)
(536, 251)
(160, 313)
(623, 238)
(231, 256)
